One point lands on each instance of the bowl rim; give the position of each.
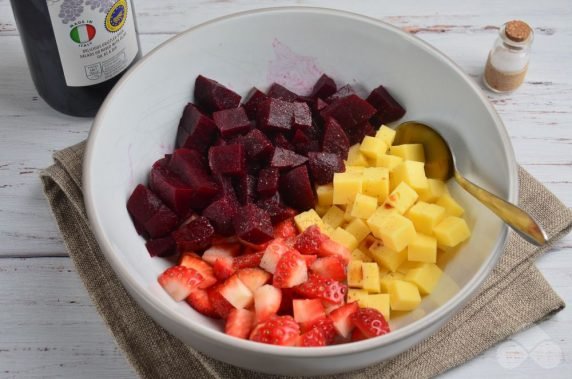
(441, 313)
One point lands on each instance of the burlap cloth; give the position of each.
(514, 296)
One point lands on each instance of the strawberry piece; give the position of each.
(191, 260)
(253, 278)
(285, 229)
(239, 323)
(267, 300)
(341, 318)
(307, 310)
(313, 338)
(329, 267)
(325, 325)
(223, 268)
(329, 307)
(310, 259)
(220, 305)
(277, 330)
(310, 240)
(291, 270)
(321, 288)
(272, 255)
(214, 252)
(200, 301)
(330, 248)
(237, 294)
(357, 335)
(179, 281)
(370, 322)
(247, 260)
(286, 304)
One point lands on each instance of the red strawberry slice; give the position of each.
(329, 307)
(313, 338)
(291, 270)
(267, 301)
(341, 318)
(227, 250)
(277, 330)
(325, 325)
(307, 310)
(321, 288)
(310, 259)
(239, 323)
(200, 301)
(220, 305)
(247, 260)
(329, 267)
(180, 281)
(253, 278)
(330, 248)
(357, 335)
(272, 255)
(285, 229)
(223, 268)
(286, 305)
(370, 322)
(191, 260)
(238, 294)
(310, 240)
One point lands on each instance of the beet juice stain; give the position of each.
(77, 49)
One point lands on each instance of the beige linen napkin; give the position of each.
(513, 297)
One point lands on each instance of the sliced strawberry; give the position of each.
(341, 318)
(291, 270)
(227, 250)
(286, 305)
(277, 330)
(370, 322)
(329, 267)
(191, 260)
(285, 229)
(200, 301)
(357, 335)
(272, 255)
(248, 260)
(325, 325)
(329, 307)
(234, 290)
(330, 248)
(321, 288)
(223, 268)
(220, 305)
(180, 281)
(253, 278)
(310, 259)
(307, 310)
(239, 323)
(313, 338)
(310, 240)
(267, 301)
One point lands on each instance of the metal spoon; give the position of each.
(440, 164)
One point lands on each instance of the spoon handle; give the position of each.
(516, 218)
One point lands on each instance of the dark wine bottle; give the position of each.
(77, 49)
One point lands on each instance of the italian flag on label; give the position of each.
(82, 33)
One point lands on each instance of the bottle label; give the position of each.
(96, 39)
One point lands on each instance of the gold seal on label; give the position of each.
(116, 16)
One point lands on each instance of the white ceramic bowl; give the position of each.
(138, 122)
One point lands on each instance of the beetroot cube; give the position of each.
(275, 115)
(257, 145)
(335, 139)
(161, 247)
(227, 160)
(303, 144)
(276, 91)
(163, 162)
(196, 131)
(195, 236)
(324, 165)
(296, 188)
(225, 184)
(245, 187)
(150, 214)
(231, 122)
(255, 97)
(314, 132)
(344, 91)
(212, 96)
(302, 116)
(349, 111)
(220, 214)
(388, 109)
(357, 134)
(281, 141)
(268, 182)
(319, 104)
(163, 222)
(253, 225)
(284, 159)
(277, 211)
(170, 189)
(324, 87)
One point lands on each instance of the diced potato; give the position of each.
(327, 230)
(358, 228)
(452, 231)
(363, 206)
(387, 279)
(306, 219)
(407, 265)
(386, 134)
(410, 172)
(435, 189)
(358, 295)
(373, 147)
(344, 238)
(403, 296)
(425, 216)
(325, 194)
(396, 232)
(401, 198)
(359, 255)
(386, 257)
(348, 212)
(355, 169)
(355, 157)
(374, 221)
(425, 277)
(422, 248)
(379, 301)
(388, 161)
(375, 182)
(355, 274)
(346, 186)
(333, 217)
(409, 152)
(321, 209)
(452, 208)
(370, 281)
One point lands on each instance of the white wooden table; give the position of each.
(48, 326)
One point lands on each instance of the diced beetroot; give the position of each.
(171, 189)
(257, 145)
(303, 144)
(149, 213)
(324, 165)
(335, 139)
(369, 129)
(231, 122)
(220, 142)
(161, 247)
(268, 182)
(226, 188)
(212, 96)
(281, 141)
(245, 187)
(220, 214)
(253, 225)
(349, 111)
(278, 212)
(344, 91)
(284, 159)
(276, 91)
(255, 97)
(302, 116)
(196, 131)
(357, 134)
(275, 115)
(228, 160)
(324, 87)
(163, 162)
(319, 104)
(296, 188)
(195, 236)
(388, 109)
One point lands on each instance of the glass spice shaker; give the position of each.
(507, 63)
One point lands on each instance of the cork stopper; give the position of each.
(517, 30)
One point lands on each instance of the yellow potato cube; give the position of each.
(356, 169)
(435, 189)
(425, 216)
(387, 279)
(358, 228)
(452, 231)
(348, 212)
(452, 208)
(321, 209)
(422, 249)
(408, 265)
(386, 134)
(359, 255)
(396, 232)
(327, 230)
(346, 186)
(363, 206)
(333, 217)
(358, 295)
(386, 257)
(355, 274)
(306, 219)
(401, 198)
(372, 147)
(370, 272)
(380, 302)
(375, 182)
(344, 238)
(388, 161)
(325, 194)
(376, 219)
(355, 157)
(425, 277)
(410, 172)
(403, 296)
(409, 152)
